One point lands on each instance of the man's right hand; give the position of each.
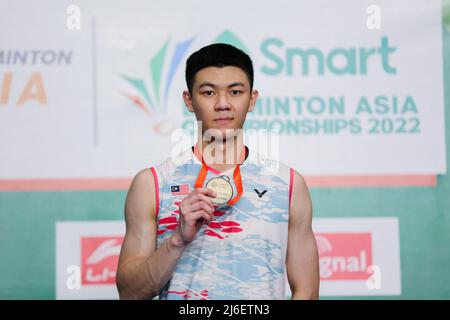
(195, 210)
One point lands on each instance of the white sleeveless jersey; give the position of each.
(242, 253)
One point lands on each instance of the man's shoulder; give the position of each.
(143, 179)
(298, 178)
(141, 194)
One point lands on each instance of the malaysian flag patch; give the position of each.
(180, 190)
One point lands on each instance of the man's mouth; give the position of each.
(223, 120)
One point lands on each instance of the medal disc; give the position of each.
(223, 189)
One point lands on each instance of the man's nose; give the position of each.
(222, 102)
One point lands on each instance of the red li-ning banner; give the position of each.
(344, 256)
(99, 258)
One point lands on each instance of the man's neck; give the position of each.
(222, 155)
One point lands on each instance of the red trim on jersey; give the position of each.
(155, 179)
(291, 182)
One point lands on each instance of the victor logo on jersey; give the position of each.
(260, 194)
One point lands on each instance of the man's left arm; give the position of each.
(302, 260)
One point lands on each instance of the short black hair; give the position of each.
(218, 55)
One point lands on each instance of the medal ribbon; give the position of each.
(236, 176)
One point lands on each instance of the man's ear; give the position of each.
(253, 98)
(188, 100)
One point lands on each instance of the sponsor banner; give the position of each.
(87, 254)
(358, 256)
(106, 96)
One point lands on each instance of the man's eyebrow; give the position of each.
(209, 84)
(236, 84)
(206, 84)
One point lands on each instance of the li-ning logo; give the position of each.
(260, 194)
(99, 258)
(153, 99)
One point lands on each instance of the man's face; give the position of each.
(221, 98)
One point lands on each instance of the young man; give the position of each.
(203, 228)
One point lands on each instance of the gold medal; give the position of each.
(223, 189)
(221, 185)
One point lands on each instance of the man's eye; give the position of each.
(235, 92)
(208, 93)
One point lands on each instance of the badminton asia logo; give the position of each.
(344, 256)
(153, 98)
(99, 258)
